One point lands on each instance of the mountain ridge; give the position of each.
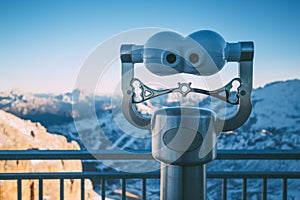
(273, 124)
(275, 109)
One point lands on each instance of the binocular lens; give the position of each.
(194, 58)
(171, 58)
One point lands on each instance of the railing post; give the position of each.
(244, 188)
(284, 189)
(144, 189)
(62, 188)
(123, 189)
(264, 188)
(103, 189)
(19, 182)
(82, 185)
(41, 189)
(224, 189)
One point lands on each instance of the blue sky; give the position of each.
(43, 43)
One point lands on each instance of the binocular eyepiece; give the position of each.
(201, 53)
(168, 53)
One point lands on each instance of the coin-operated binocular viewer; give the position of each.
(184, 138)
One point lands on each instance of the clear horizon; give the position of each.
(43, 44)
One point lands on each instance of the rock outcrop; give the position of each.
(18, 134)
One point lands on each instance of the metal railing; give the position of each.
(111, 155)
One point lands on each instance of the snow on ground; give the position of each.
(273, 124)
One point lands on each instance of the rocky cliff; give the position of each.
(18, 134)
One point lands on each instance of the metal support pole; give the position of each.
(183, 182)
(183, 141)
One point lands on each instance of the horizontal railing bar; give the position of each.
(140, 155)
(156, 174)
(73, 155)
(77, 175)
(258, 154)
(254, 174)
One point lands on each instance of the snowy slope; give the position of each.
(273, 124)
(276, 110)
(277, 106)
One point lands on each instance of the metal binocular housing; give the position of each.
(165, 54)
(184, 138)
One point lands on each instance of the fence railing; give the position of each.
(142, 155)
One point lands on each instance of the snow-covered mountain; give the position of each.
(273, 124)
(49, 109)
(46, 109)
